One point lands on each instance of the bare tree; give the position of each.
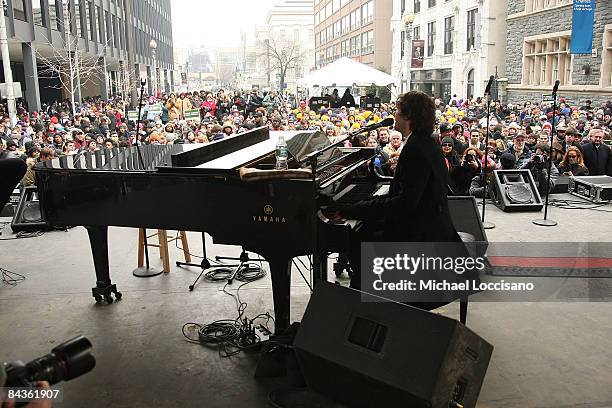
(282, 55)
(69, 65)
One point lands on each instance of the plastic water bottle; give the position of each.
(282, 154)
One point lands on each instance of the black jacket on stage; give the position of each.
(416, 208)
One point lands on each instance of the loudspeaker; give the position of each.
(366, 351)
(515, 191)
(317, 102)
(370, 103)
(28, 216)
(561, 185)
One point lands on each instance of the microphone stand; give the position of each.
(546, 222)
(485, 224)
(144, 271)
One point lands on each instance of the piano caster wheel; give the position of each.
(98, 298)
(191, 288)
(178, 264)
(109, 299)
(118, 295)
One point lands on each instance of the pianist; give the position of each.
(416, 207)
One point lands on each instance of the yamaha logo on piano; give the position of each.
(269, 217)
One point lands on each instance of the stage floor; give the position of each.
(547, 354)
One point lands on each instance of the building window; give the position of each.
(403, 44)
(606, 69)
(109, 30)
(449, 26)
(355, 19)
(81, 29)
(538, 5)
(470, 84)
(471, 29)
(416, 33)
(115, 32)
(431, 38)
(547, 59)
(402, 7)
(367, 13)
(431, 3)
(367, 42)
(91, 18)
(37, 14)
(19, 8)
(417, 6)
(101, 39)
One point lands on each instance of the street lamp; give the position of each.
(153, 47)
(408, 19)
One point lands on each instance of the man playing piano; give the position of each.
(416, 207)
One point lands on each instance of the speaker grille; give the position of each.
(519, 194)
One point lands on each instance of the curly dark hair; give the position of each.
(419, 109)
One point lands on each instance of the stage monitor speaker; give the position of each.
(28, 216)
(515, 191)
(386, 354)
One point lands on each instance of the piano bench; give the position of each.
(162, 236)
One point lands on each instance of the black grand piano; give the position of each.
(278, 219)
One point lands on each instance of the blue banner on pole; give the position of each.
(582, 26)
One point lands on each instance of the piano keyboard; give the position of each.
(361, 191)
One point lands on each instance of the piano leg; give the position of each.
(98, 239)
(280, 271)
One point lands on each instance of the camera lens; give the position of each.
(65, 362)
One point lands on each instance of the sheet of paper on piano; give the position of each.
(383, 190)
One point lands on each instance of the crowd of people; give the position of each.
(520, 136)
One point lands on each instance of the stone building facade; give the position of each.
(538, 52)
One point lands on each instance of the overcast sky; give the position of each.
(216, 23)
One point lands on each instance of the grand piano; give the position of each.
(199, 188)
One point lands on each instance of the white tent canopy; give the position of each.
(346, 72)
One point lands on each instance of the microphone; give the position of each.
(488, 89)
(556, 88)
(385, 123)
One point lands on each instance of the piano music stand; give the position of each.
(204, 265)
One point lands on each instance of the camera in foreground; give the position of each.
(67, 361)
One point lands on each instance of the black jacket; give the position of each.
(596, 160)
(416, 208)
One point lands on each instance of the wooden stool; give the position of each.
(162, 236)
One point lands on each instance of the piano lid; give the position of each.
(203, 153)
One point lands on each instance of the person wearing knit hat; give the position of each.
(228, 128)
(451, 158)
